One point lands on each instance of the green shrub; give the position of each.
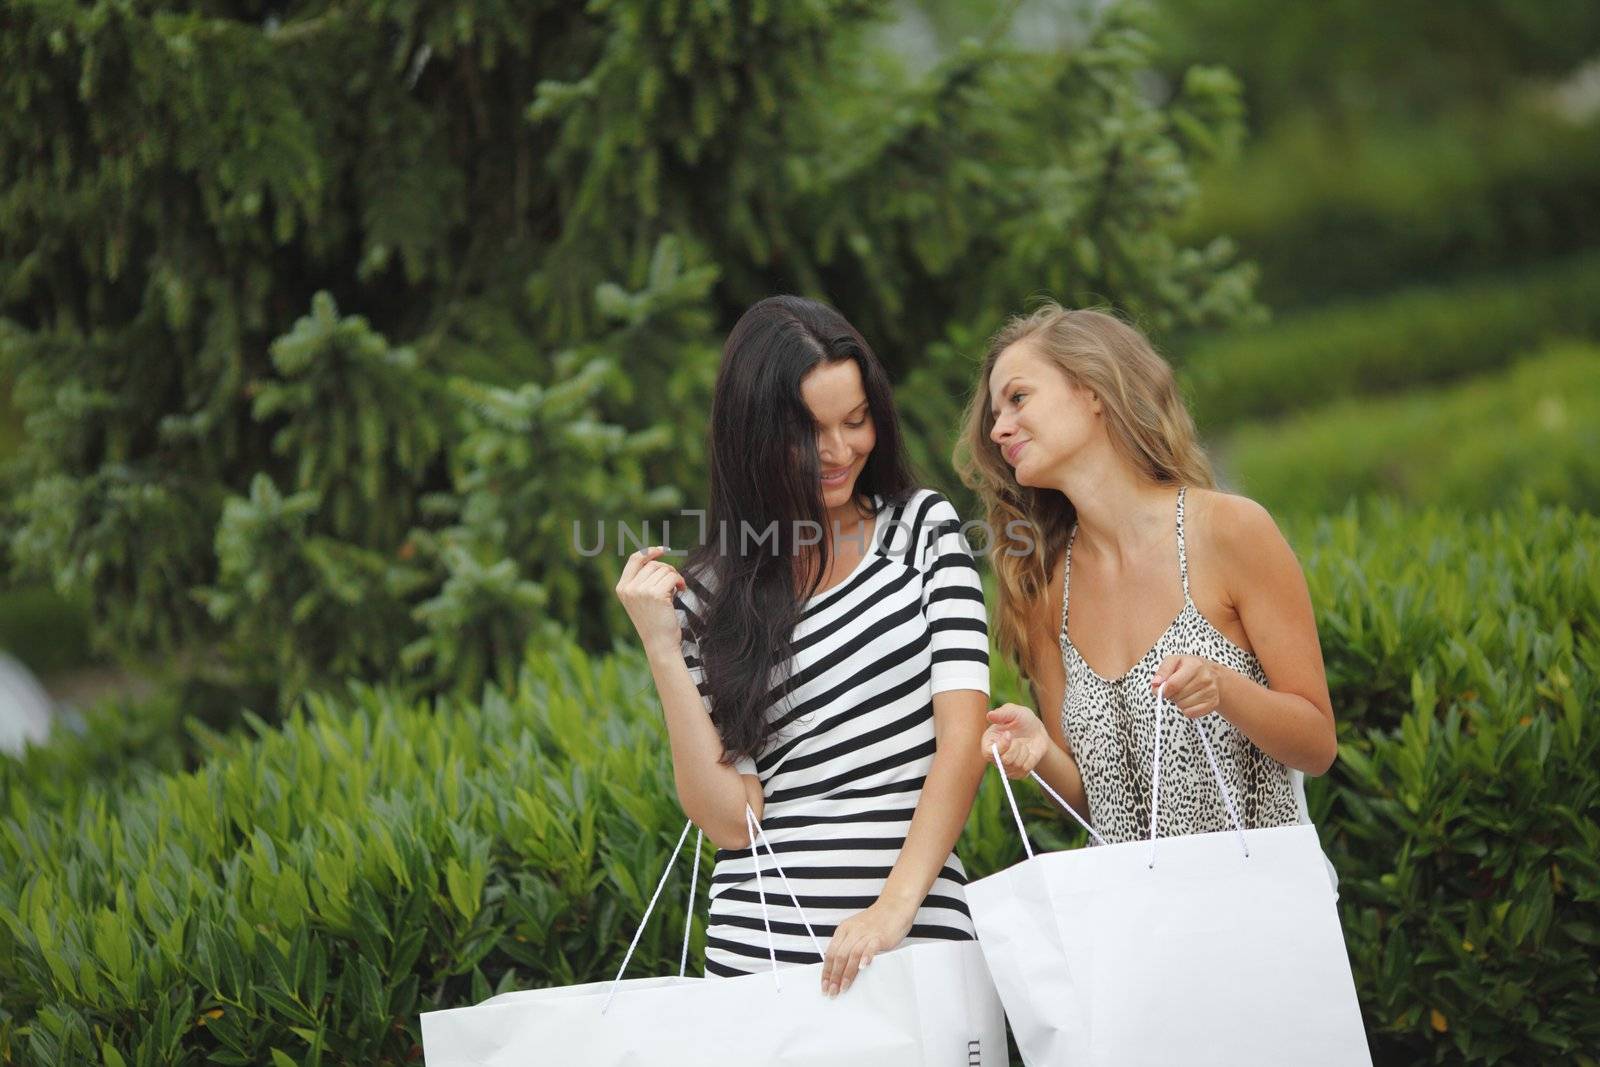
(1420, 335)
(1464, 812)
(314, 889)
(1327, 211)
(1404, 599)
(1532, 431)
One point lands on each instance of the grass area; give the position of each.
(1531, 430)
(1418, 336)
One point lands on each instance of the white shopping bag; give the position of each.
(1219, 948)
(923, 1005)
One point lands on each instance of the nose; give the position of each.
(1002, 429)
(831, 447)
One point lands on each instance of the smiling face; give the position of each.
(1041, 419)
(837, 399)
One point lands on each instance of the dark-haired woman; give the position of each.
(833, 625)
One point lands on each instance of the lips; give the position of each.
(835, 477)
(1013, 451)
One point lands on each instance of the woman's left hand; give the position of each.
(1192, 683)
(858, 939)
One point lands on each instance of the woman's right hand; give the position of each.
(1019, 735)
(646, 589)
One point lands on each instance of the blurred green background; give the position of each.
(322, 324)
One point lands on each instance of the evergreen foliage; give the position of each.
(330, 321)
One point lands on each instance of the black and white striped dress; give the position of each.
(855, 739)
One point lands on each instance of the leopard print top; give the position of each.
(1110, 724)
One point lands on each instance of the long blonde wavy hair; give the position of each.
(1149, 425)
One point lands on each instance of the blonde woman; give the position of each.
(1140, 581)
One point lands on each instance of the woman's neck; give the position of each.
(1119, 511)
(846, 522)
(845, 519)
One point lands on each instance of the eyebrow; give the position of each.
(993, 411)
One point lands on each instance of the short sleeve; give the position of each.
(952, 602)
(688, 624)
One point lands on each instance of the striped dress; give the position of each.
(854, 739)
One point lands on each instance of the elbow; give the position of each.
(720, 813)
(727, 834)
(1322, 761)
(725, 829)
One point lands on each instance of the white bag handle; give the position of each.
(757, 834)
(688, 922)
(1155, 787)
(1216, 772)
(994, 750)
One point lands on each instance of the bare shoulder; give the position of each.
(1234, 528)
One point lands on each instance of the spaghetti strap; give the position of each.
(1066, 581)
(1183, 555)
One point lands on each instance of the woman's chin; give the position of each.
(838, 496)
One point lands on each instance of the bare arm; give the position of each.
(1292, 719)
(713, 794)
(942, 809)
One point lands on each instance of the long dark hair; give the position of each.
(765, 470)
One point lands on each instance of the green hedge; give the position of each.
(313, 890)
(1327, 211)
(1464, 812)
(305, 894)
(1531, 431)
(1416, 336)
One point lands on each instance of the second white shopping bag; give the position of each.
(1208, 949)
(924, 1005)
